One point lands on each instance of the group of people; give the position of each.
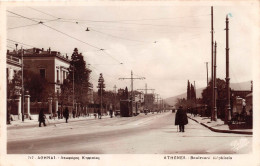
(42, 117)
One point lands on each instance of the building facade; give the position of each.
(13, 65)
(50, 65)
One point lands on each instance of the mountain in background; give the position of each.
(234, 86)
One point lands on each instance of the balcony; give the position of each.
(13, 60)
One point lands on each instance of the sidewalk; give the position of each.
(34, 122)
(218, 126)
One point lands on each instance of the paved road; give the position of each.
(144, 134)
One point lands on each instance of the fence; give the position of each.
(35, 107)
(12, 106)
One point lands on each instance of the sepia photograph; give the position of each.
(136, 79)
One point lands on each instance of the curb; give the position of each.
(223, 131)
(50, 124)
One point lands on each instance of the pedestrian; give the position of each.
(99, 114)
(66, 114)
(8, 115)
(74, 113)
(181, 119)
(41, 118)
(111, 111)
(58, 113)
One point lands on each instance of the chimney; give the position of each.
(67, 56)
(49, 49)
(34, 49)
(42, 49)
(7, 51)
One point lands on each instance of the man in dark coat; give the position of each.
(41, 118)
(181, 118)
(99, 114)
(66, 114)
(58, 113)
(74, 113)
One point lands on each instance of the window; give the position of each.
(58, 80)
(42, 73)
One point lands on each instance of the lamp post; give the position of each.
(228, 107)
(22, 87)
(73, 87)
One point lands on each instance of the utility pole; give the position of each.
(22, 107)
(145, 89)
(157, 98)
(145, 96)
(73, 87)
(115, 95)
(194, 90)
(252, 86)
(212, 59)
(115, 88)
(215, 83)
(207, 73)
(132, 87)
(195, 97)
(228, 108)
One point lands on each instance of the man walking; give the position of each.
(181, 119)
(99, 114)
(66, 114)
(41, 118)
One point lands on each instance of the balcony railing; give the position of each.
(14, 59)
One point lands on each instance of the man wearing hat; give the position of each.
(181, 119)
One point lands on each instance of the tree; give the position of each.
(188, 90)
(101, 86)
(66, 91)
(221, 96)
(79, 76)
(192, 93)
(14, 86)
(185, 103)
(101, 91)
(38, 87)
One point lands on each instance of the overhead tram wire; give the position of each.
(112, 57)
(109, 78)
(22, 26)
(145, 19)
(10, 47)
(67, 35)
(26, 45)
(122, 21)
(118, 37)
(57, 30)
(102, 72)
(43, 12)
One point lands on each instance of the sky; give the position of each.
(167, 45)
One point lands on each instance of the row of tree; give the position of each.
(206, 99)
(191, 93)
(75, 87)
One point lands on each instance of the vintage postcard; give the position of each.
(130, 83)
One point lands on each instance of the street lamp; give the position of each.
(22, 87)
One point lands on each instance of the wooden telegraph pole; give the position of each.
(132, 87)
(145, 95)
(215, 83)
(207, 73)
(212, 62)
